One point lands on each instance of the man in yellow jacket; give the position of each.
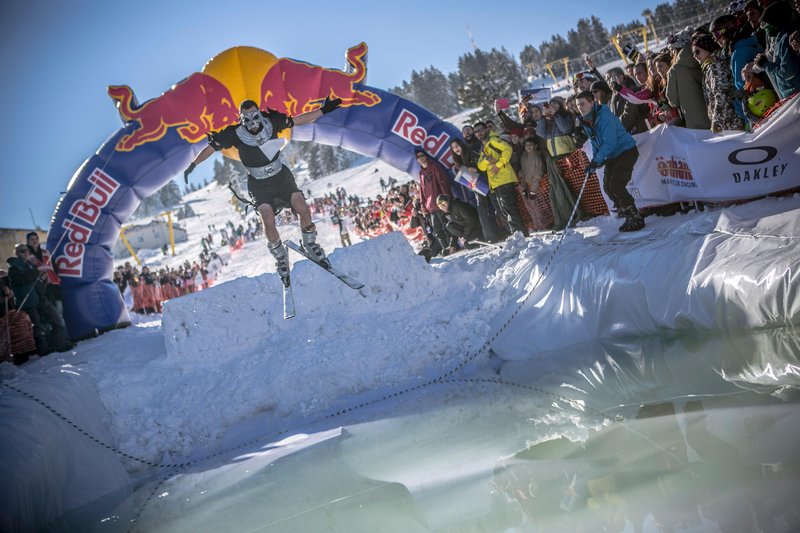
(494, 160)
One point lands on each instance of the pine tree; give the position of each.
(327, 160)
(487, 77)
(219, 172)
(311, 155)
(532, 60)
(431, 89)
(170, 195)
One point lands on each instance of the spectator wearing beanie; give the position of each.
(685, 82)
(718, 88)
(781, 63)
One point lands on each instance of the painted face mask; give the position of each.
(251, 118)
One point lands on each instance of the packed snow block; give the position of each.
(724, 271)
(223, 322)
(342, 343)
(47, 467)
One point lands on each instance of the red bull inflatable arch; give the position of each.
(161, 136)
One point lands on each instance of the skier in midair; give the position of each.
(270, 183)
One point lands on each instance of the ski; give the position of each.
(489, 244)
(288, 299)
(344, 278)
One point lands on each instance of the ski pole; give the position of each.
(578, 199)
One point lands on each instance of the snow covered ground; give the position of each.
(166, 421)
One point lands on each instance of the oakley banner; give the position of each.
(678, 164)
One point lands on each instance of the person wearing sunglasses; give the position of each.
(271, 184)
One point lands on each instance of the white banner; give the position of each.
(678, 164)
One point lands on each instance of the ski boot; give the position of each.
(633, 219)
(311, 247)
(278, 251)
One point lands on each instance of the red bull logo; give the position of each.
(205, 101)
(407, 126)
(197, 105)
(80, 226)
(296, 87)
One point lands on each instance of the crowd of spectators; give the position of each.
(150, 289)
(725, 75)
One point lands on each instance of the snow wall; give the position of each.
(721, 271)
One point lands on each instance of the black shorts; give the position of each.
(276, 190)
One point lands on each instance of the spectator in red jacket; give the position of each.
(433, 181)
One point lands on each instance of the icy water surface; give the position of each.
(692, 433)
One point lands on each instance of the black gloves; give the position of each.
(188, 171)
(329, 105)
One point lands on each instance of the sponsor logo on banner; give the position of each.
(407, 127)
(472, 181)
(756, 159)
(79, 226)
(675, 172)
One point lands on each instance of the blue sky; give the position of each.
(58, 57)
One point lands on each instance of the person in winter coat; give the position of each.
(532, 170)
(23, 276)
(462, 219)
(780, 62)
(555, 128)
(632, 115)
(717, 84)
(739, 46)
(433, 181)
(662, 112)
(495, 160)
(685, 82)
(466, 157)
(615, 148)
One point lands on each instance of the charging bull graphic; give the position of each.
(160, 137)
(298, 87)
(195, 106)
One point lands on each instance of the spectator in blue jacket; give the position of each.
(780, 62)
(615, 148)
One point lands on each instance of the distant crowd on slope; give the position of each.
(148, 290)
